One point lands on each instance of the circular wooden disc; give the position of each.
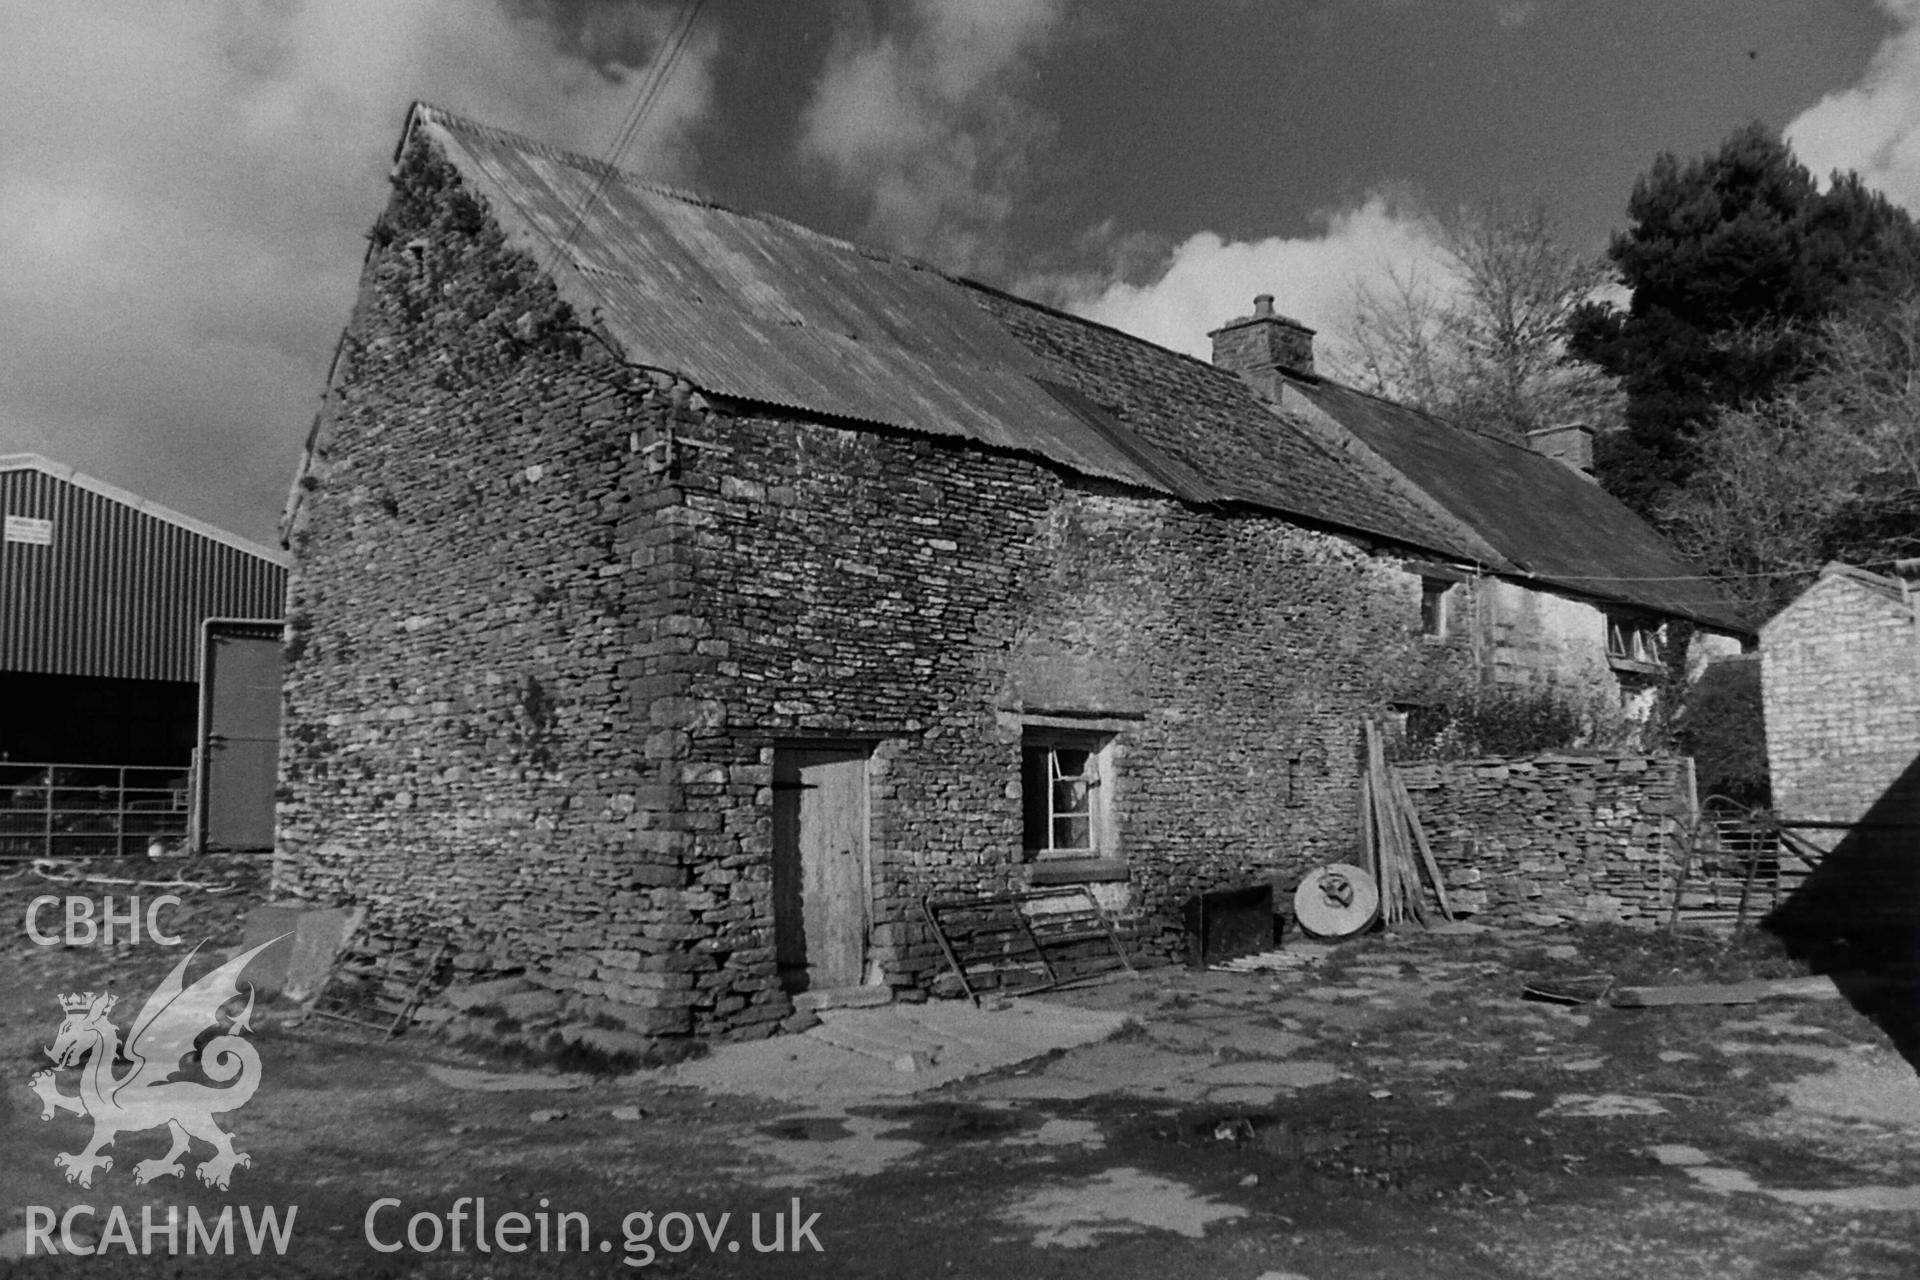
(1336, 901)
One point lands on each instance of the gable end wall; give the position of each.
(1840, 674)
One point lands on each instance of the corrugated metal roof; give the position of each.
(1550, 522)
(81, 480)
(755, 308)
(760, 309)
(97, 582)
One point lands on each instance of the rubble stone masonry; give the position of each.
(552, 614)
(1555, 837)
(1840, 673)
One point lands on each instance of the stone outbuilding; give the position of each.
(681, 596)
(1840, 679)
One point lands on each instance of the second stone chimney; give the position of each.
(1571, 444)
(1263, 345)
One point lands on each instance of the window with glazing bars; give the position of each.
(1061, 782)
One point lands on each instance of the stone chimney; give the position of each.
(1262, 346)
(1571, 444)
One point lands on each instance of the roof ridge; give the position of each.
(1438, 419)
(80, 479)
(1866, 577)
(968, 282)
(427, 112)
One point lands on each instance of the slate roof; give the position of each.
(755, 308)
(1539, 514)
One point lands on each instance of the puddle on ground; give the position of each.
(1057, 1132)
(1325, 1157)
(1122, 1201)
(814, 1148)
(1604, 1105)
(948, 1121)
(808, 1129)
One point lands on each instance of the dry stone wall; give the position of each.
(1556, 838)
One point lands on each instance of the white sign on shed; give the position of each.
(28, 530)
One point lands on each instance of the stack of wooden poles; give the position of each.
(1392, 843)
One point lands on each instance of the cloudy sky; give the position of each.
(185, 184)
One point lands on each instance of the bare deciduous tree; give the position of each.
(1479, 335)
(1828, 467)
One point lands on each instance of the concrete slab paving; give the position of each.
(1132, 1067)
(1262, 1042)
(1270, 1075)
(895, 1050)
(1181, 1037)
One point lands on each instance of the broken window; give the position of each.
(1437, 595)
(1631, 639)
(1433, 606)
(1063, 785)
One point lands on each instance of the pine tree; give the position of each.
(1732, 261)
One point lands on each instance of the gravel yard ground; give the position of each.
(1388, 1107)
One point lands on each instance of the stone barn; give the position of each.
(681, 596)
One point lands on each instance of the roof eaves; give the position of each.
(1169, 473)
(1584, 590)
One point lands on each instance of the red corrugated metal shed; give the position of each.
(95, 581)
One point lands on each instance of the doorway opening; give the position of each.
(822, 896)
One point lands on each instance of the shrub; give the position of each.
(1722, 725)
(1505, 721)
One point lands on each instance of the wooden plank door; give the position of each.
(821, 898)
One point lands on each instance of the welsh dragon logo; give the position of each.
(147, 1096)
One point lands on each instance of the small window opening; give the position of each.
(1433, 606)
(1063, 784)
(1633, 639)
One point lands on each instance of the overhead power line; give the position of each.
(646, 97)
